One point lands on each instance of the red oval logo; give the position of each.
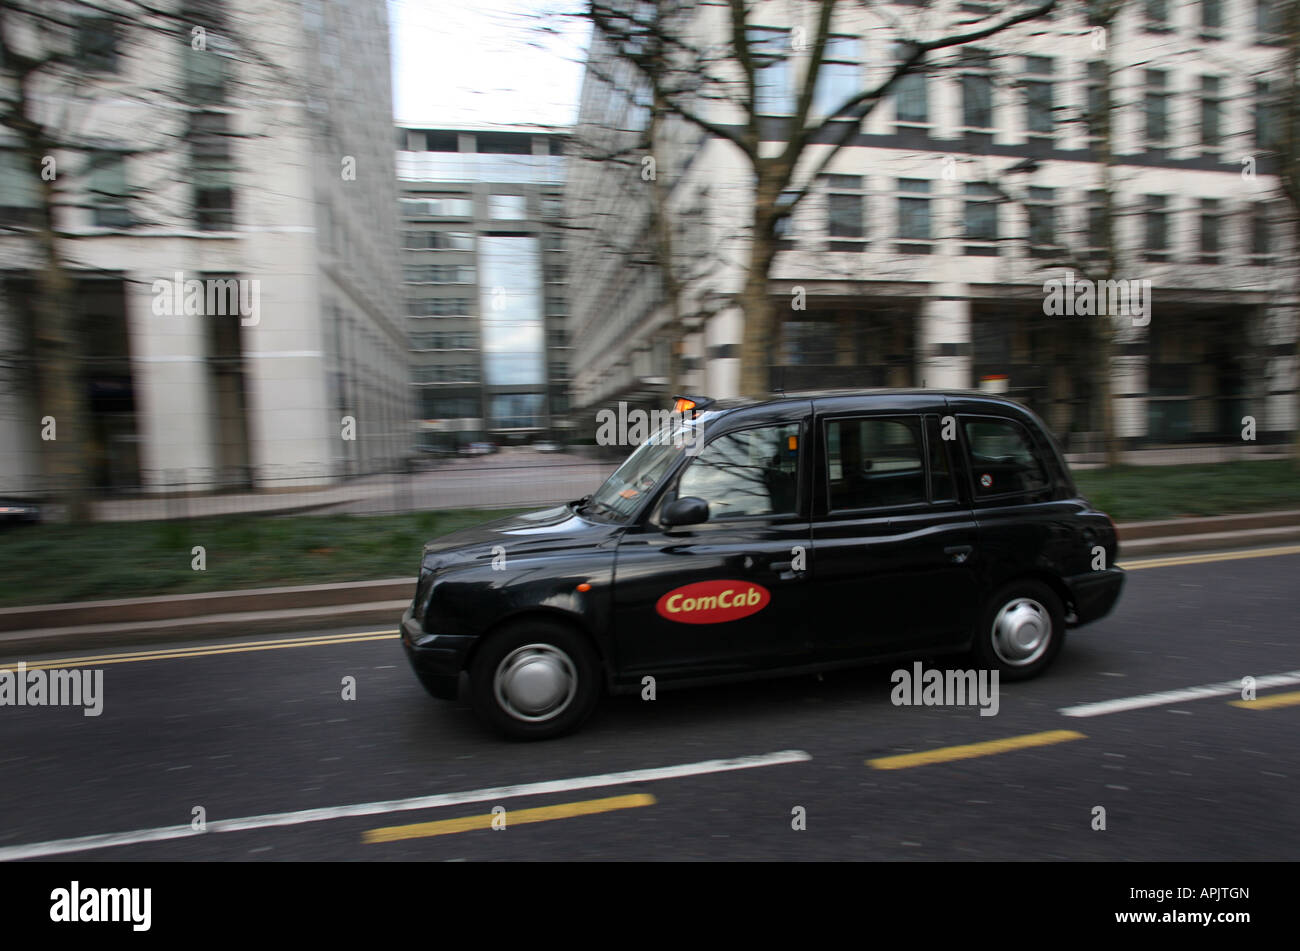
(713, 602)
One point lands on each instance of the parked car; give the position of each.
(547, 445)
(19, 512)
(478, 449)
(760, 538)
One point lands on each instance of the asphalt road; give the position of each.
(261, 732)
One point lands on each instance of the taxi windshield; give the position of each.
(623, 491)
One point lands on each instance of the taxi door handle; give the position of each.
(958, 553)
(780, 565)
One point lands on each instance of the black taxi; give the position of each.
(748, 538)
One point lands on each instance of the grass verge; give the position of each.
(46, 564)
(1142, 493)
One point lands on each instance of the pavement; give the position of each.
(530, 478)
(1136, 745)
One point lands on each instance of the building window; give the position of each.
(1270, 28)
(438, 307)
(980, 214)
(1039, 99)
(911, 100)
(437, 241)
(914, 217)
(108, 190)
(555, 273)
(1268, 114)
(438, 274)
(1211, 113)
(1156, 101)
(553, 241)
(97, 43)
(1041, 207)
(1210, 221)
(769, 48)
(838, 78)
(1155, 16)
(214, 199)
(437, 207)
(20, 194)
(1156, 222)
(206, 70)
(507, 207)
(976, 90)
(845, 212)
(1098, 100)
(552, 206)
(1098, 238)
(1211, 19)
(1261, 234)
(783, 227)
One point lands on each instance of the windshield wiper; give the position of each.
(589, 502)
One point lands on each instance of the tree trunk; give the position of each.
(61, 389)
(57, 343)
(756, 308)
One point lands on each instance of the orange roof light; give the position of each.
(683, 405)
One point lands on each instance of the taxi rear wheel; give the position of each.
(1022, 630)
(534, 680)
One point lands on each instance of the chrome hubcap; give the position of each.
(535, 682)
(1021, 632)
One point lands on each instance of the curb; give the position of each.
(91, 625)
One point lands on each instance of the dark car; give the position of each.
(759, 538)
(19, 512)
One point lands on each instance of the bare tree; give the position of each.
(690, 78)
(50, 58)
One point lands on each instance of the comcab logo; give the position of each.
(713, 602)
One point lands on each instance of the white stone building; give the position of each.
(240, 139)
(910, 274)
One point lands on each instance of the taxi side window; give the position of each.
(875, 462)
(751, 472)
(1002, 457)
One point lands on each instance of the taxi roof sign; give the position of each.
(685, 404)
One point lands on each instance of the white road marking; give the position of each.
(1227, 688)
(110, 840)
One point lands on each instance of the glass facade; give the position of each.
(514, 343)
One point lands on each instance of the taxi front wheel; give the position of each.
(1022, 630)
(535, 679)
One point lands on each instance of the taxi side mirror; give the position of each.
(687, 511)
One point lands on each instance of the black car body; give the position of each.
(19, 512)
(839, 529)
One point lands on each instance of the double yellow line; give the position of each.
(1171, 560)
(173, 653)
